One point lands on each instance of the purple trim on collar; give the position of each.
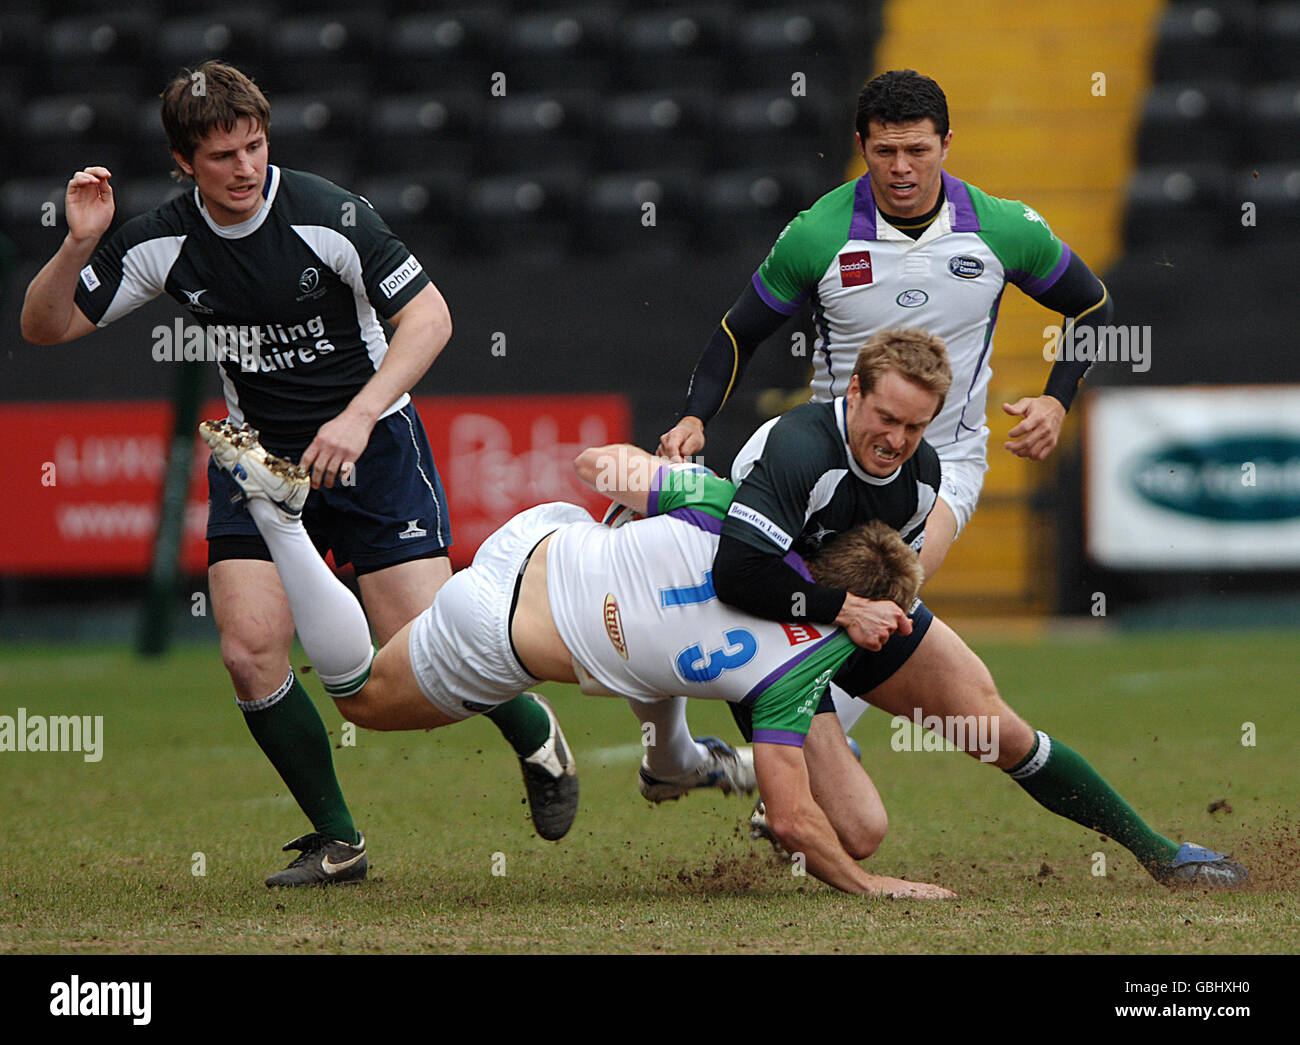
(863, 225)
(775, 303)
(779, 736)
(964, 217)
(1034, 287)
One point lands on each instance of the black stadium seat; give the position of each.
(1203, 39)
(648, 213)
(1189, 121)
(1275, 190)
(1276, 54)
(1187, 202)
(1272, 124)
(444, 49)
(655, 129)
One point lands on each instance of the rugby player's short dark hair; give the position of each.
(916, 354)
(215, 95)
(901, 96)
(871, 561)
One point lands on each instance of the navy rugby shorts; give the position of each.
(395, 512)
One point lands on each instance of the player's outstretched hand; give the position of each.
(334, 452)
(685, 439)
(870, 623)
(1036, 435)
(88, 204)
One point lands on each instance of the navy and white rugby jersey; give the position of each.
(288, 302)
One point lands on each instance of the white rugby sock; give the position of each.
(670, 750)
(330, 621)
(848, 709)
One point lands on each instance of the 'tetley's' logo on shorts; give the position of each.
(614, 625)
(855, 268)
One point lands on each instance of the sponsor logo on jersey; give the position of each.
(1033, 215)
(400, 276)
(797, 633)
(309, 280)
(195, 305)
(855, 268)
(89, 278)
(762, 524)
(614, 625)
(965, 266)
(413, 529)
(912, 298)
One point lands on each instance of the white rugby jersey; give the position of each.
(637, 609)
(862, 275)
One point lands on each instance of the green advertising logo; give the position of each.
(1247, 478)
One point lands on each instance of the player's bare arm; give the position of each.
(620, 471)
(50, 315)
(870, 623)
(801, 825)
(423, 327)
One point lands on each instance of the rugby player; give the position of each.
(627, 611)
(824, 468)
(290, 276)
(904, 245)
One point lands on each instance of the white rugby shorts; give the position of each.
(962, 477)
(460, 646)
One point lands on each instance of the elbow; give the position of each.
(587, 465)
(728, 587)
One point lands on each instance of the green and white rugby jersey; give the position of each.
(637, 609)
(863, 275)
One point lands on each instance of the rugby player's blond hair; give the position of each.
(915, 354)
(872, 561)
(214, 95)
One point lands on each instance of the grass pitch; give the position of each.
(104, 857)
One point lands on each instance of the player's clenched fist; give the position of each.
(870, 624)
(89, 203)
(684, 439)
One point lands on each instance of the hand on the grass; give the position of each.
(1035, 436)
(335, 450)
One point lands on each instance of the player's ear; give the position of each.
(182, 163)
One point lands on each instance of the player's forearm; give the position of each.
(1083, 300)
(50, 299)
(765, 585)
(745, 326)
(417, 342)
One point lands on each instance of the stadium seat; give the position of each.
(547, 50)
(434, 132)
(138, 195)
(616, 217)
(418, 207)
(25, 213)
(750, 205)
(100, 52)
(531, 130)
(1275, 190)
(676, 47)
(1186, 122)
(1276, 54)
(444, 49)
(1187, 202)
(234, 34)
(1273, 124)
(330, 52)
(755, 123)
(64, 133)
(523, 215)
(655, 129)
(1203, 39)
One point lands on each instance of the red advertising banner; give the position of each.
(83, 479)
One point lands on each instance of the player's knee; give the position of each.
(365, 708)
(254, 661)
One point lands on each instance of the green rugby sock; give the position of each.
(289, 730)
(523, 722)
(1062, 781)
